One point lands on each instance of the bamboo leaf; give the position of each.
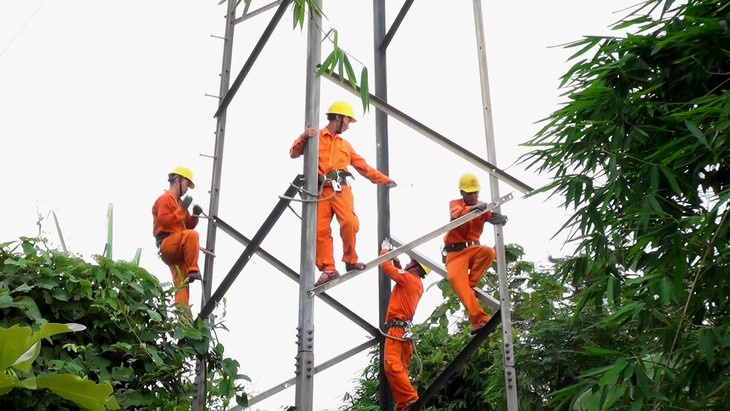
(350, 72)
(60, 233)
(364, 92)
(341, 66)
(696, 132)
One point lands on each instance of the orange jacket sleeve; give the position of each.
(169, 217)
(391, 271)
(364, 169)
(297, 149)
(458, 208)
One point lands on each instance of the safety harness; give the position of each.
(450, 248)
(396, 322)
(407, 337)
(337, 179)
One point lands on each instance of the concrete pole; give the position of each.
(304, 373)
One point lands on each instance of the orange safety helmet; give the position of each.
(342, 108)
(183, 172)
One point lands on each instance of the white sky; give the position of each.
(99, 100)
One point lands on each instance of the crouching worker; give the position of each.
(175, 237)
(404, 298)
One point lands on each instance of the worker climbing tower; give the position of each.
(306, 187)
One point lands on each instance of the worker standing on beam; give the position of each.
(466, 260)
(175, 237)
(335, 198)
(398, 349)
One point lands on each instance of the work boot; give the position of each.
(327, 275)
(407, 405)
(475, 328)
(355, 266)
(194, 275)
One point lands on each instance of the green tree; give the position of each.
(551, 349)
(641, 151)
(20, 346)
(133, 339)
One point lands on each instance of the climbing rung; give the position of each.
(407, 247)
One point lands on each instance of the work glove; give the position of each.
(185, 203)
(386, 244)
(498, 218)
(478, 207)
(197, 210)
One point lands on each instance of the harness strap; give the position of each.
(396, 322)
(459, 246)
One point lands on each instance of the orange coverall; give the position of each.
(335, 153)
(180, 249)
(406, 294)
(464, 268)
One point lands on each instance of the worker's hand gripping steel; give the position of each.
(185, 203)
(498, 219)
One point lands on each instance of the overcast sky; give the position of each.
(100, 100)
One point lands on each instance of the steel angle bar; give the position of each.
(252, 58)
(481, 294)
(225, 227)
(252, 247)
(327, 364)
(396, 23)
(257, 12)
(457, 362)
(434, 136)
(415, 243)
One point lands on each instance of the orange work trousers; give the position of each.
(342, 206)
(397, 359)
(180, 251)
(464, 269)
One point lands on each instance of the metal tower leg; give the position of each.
(507, 345)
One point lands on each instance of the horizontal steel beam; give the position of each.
(290, 382)
(434, 266)
(413, 244)
(434, 136)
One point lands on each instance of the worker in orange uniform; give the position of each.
(466, 260)
(173, 228)
(335, 156)
(404, 298)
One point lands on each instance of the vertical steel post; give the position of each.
(507, 344)
(220, 133)
(305, 331)
(381, 141)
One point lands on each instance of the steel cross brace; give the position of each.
(457, 362)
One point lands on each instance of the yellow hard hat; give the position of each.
(426, 270)
(340, 107)
(469, 183)
(183, 172)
